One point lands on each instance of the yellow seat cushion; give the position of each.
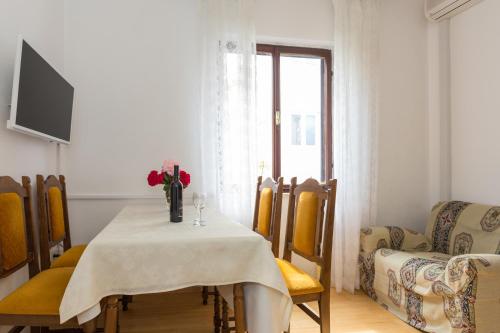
(70, 257)
(265, 211)
(297, 281)
(56, 213)
(13, 242)
(41, 295)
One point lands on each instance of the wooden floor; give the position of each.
(182, 311)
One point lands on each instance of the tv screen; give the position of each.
(42, 100)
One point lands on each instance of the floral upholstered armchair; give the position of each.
(447, 280)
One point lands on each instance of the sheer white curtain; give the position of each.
(228, 117)
(355, 131)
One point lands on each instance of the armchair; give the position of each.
(445, 281)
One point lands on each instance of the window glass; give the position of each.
(301, 104)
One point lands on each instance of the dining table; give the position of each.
(141, 252)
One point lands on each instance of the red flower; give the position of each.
(155, 178)
(185, 178)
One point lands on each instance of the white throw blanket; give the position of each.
(140, 252)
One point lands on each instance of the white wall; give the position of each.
(290, 21)
(136, 70)
(41, 23)
(475, 103)
(403, 145)
(439, 113)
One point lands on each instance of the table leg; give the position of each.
(111, 315)
(204, 295)
(90, 326)
(125, 300)
(239, 308)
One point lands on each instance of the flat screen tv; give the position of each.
(42, 100)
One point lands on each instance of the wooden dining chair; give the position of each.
(54, 226)
(309, 234)
(35, 303)
(267, 212)
(266, 222)
(54, 223)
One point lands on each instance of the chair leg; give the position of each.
(225, 317)
(204, 295)
(217, 320)
(324, 311)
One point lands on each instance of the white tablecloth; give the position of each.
(141, 252)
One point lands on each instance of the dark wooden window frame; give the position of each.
(326, 55)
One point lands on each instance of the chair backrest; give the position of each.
(267, 214)
(309, 231)
(17, 246)
(458, 227)
(53, 216)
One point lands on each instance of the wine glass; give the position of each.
(202, 200)
(196, 203)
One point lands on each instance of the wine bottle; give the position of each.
(176, 197)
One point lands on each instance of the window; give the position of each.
(294, 111)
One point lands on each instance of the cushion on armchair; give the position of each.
(393, 237)
(458, 227)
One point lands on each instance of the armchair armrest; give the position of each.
(464, 269)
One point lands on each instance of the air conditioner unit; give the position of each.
(437, 10)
